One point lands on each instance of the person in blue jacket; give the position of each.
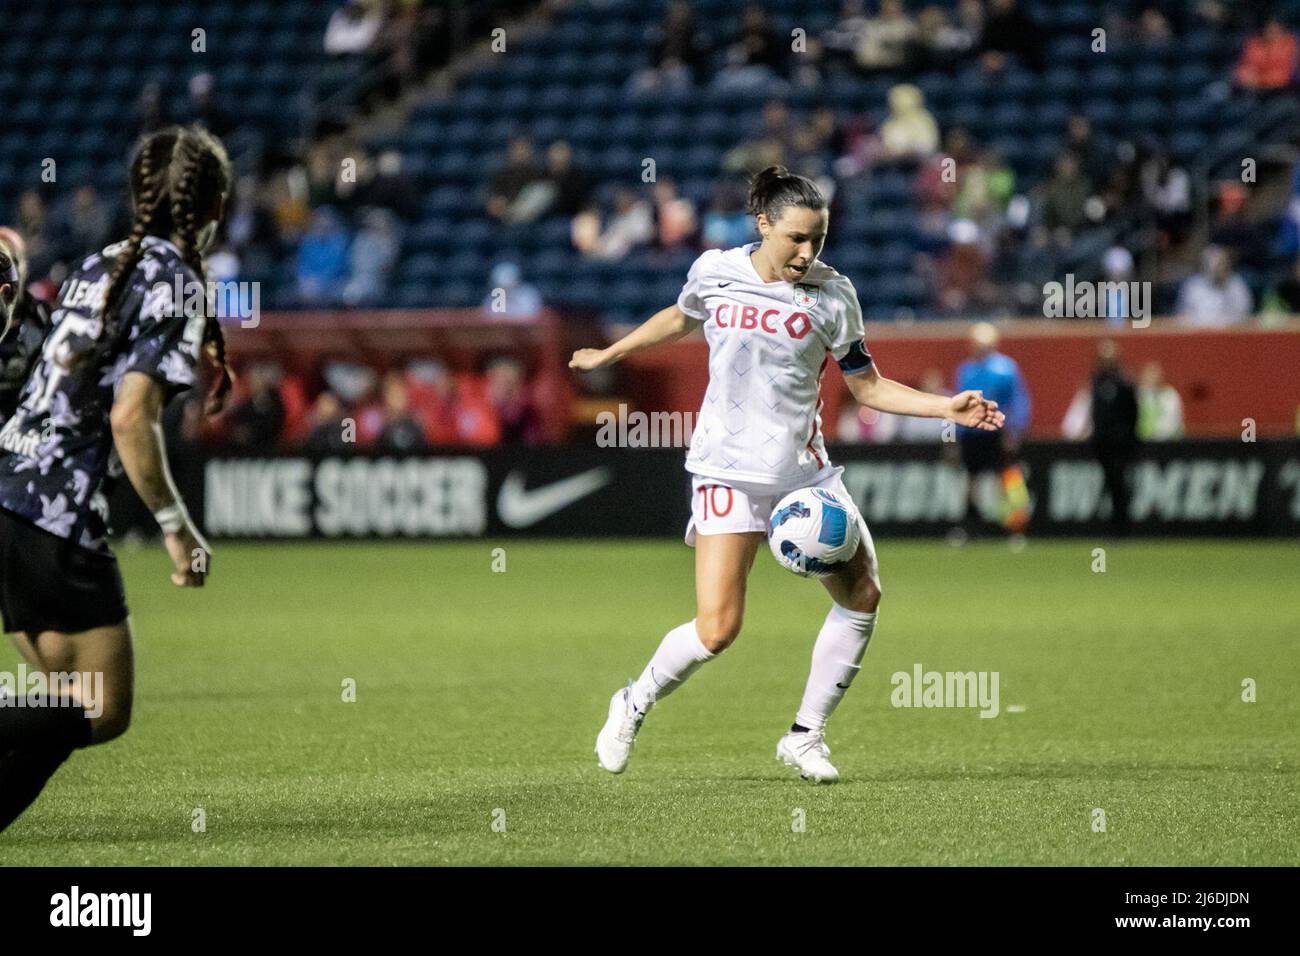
(999, 378)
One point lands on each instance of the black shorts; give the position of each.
(981, 451)
(48, 583)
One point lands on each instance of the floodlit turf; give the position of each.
(479, 695)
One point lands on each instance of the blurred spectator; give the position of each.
(1232, 224)
(886, 39)
(83, 224)
(1160, 408)
(452, 416)
(1215, 296)
(963, 272)
(810, 70)
(910, 132)
(1117, 269)
(937, 179)
(1269, 59)
(1153, 29)
(769, 148)
(323, 259)
(570, 185)
(970, 21)
(939, 44)
(679, 53)
(151, 109)
(399, 44)
(257, 421)
(325, 425)
(757, 57)
(391, 187)
(1096, 158)
(402, 430)
(1033, 261)
(511, 297)
(350, 380)
(518, 191)
(204, 108)
(1113, 411)
(841, 40)
(674, 216)
(812, 144)
(287, 200)
(507, 393)
(222, 265)
(353, 27)
(323, 175)
(1010, 32)
(725, 223)
(34, 226)
(373, 257)
(857, 145)
(1064, 198)
(984, 189)
(249, 226)
(631, 225)
(1167, 191)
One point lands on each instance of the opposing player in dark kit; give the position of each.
(119, 347)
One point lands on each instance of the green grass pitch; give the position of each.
(479, 694)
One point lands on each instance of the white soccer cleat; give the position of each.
(615, 740)
(808, 752)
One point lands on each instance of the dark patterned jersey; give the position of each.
(20, 348)
(57, 459)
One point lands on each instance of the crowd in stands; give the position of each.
(1160, 414)
(353, 406)
(991, 239)
(325, 219)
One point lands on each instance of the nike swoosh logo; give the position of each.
(842, 686)
(723, 285)
(519, 507)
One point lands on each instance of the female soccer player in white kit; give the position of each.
(774, 316)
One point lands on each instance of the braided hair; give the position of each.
(178, 175)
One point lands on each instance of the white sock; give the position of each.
(836, 660)
(680, 655)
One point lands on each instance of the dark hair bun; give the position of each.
(762, 186)
(775, 188)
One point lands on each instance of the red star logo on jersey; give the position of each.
(805, 296)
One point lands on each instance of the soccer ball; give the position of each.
(813, 532)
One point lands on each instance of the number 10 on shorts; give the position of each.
(715, 501)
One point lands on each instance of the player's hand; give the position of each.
(586, 360)
(973, 410)
(191, 557)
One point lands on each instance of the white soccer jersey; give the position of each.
(768, 345)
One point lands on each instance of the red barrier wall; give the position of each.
(1223, 376)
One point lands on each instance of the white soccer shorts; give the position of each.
(727, 507)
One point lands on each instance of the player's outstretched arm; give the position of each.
(969, 408)
(137, 433)
(667, 325)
